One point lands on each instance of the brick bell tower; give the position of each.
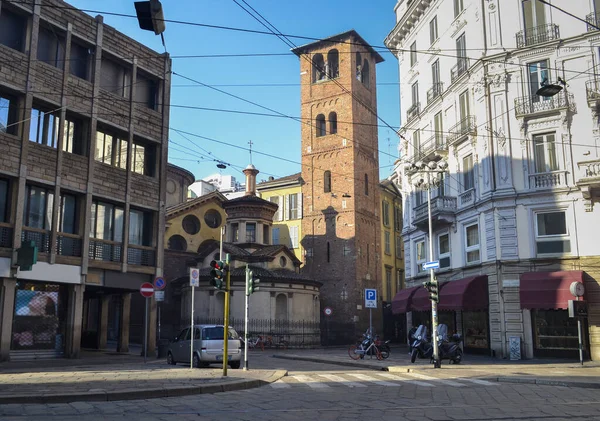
(340, 169)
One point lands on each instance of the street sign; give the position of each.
(147, 290)
(159, 283)
(431, 265)
(194, 277)
(328, 311)
(370, 298)
(159, 295)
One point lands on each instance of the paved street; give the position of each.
(314, 391)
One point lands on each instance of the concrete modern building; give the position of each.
(83, 134)
(514, 217)
(340, 169)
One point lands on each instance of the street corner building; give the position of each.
(513, 173)
(83, 134)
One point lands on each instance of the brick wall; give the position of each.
(113, 108)
(144, 190)
(147, 122)
(74, 171)
(13, 66)
(78, 93)
(48, 82)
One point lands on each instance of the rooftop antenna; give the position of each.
(250, 143)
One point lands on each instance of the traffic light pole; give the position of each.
(434, 316)
(226, 316)
(246, 321)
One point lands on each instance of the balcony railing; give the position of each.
(40, 237)
(592, 91)
(141, 255)
(467, 126)
(107, 251)
(68, 245)
(439, 205)
(537, 35)
(413, 111)
(460, 69)
(435, 145)
(591, 170)
(6, 233)
(548, 180)
(537, 104)
(594, 20)
(434, 92)
(467, 198)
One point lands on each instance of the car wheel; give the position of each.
(170, 359)
(235, 364)
(196, 361)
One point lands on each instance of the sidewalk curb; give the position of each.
(132, 394)
(363, 364)
(544, 382)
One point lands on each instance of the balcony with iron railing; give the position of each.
(593, 21)
(435, 92)
(443, 209)
(434, 149)
(592, 92)
(40, 237)
(536, 104)
(537, 35)
(466, 127)
(548, 180)
(459, 69)
(413, 111)
(68, 245)
(6, 235)
(141, 255)
(105, 250)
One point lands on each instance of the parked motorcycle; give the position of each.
(449, 347)
(421, 346)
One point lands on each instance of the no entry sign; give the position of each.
(147, 290)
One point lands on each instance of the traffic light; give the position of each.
(27, 256)
(217, 274)
(252, 283)
(150, 16)
(433, 288)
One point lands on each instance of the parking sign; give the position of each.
(370, 298)
(194, 277)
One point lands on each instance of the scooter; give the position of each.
(449, 348)
(421, 346)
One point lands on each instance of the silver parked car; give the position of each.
(208, 346)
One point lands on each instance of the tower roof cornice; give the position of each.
(303, 49)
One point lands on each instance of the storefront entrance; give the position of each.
(555, 334)
(475, 332)
(39, 320)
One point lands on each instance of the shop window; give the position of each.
(472, 244)
(475, 327)
(146, 91)
(111, 149)
(80, 61)
(420, 255)
(444, 250)
(212, 218)
(177, 243)
(333, 64)
(250, 232)
(107, 222)
(144, 158)
(555, 331)
(4, 200)
(387, 242)
(552, 234)
(8, 114)
(318, 68)
(191, 224)
(12, 29)
(114, 78)
(37, 211)
(321, 127)
(366, 73)
(327, 182)
(140, 228)
(294, 237)
(332, 123)
(51, 47)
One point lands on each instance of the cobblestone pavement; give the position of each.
(314, 391)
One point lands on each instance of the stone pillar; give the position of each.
(103, 328)
(152, 313)
(74, 321)
(123, 345)
(7, 309)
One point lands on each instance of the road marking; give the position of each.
(338, 379)
(481, 382)
(435, 379)
(279, 384)
(402, 379)
(372, 380)
(311, 382)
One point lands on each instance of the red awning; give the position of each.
(421, 300)
(402, 301)
(465, 294)
(548, 290)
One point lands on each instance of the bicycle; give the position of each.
(258, 342)
(282, 343)
(359, 351)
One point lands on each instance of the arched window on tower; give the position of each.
(366, 184)
(332, 123)
(318, 68)
(359, 67)
(365, 73)
(333, 64)
(327, 182)
(321, 129)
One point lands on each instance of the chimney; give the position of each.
(250, 173)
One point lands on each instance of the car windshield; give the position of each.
(216, 333)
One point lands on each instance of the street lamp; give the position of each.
(549, 89)
(427, 170)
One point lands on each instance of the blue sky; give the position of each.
(279, 137)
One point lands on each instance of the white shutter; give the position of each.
(280, 209)
(299, 205)
(286, 212)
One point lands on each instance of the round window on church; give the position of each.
(191, 224)
(178, 243)
(282, 261)
(212, 218)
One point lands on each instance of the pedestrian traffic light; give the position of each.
(433, 288)
(217, 274)
(150, 16)
(252, 283)
(27, 256)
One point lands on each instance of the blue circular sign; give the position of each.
(159, 283)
